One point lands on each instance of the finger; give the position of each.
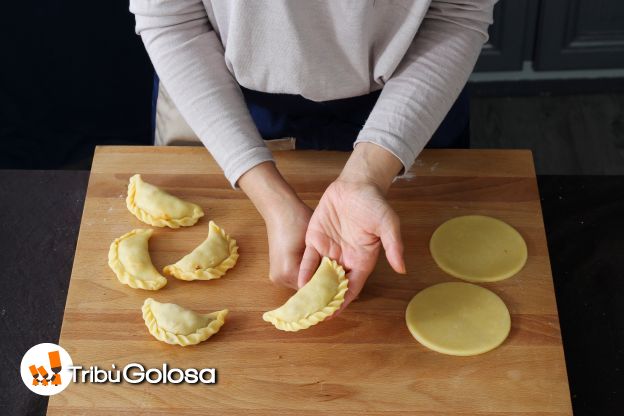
(390, 235)
(324, 245)
(357, 279)
(309, 263)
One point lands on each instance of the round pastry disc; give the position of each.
(458, 318)
(478, 248)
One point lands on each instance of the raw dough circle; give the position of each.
(478, 248)
(458, 318)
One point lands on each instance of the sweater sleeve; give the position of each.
(189, 59)
(419, 94)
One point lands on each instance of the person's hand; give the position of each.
(353, 220)
(286, 218)
(286, 228)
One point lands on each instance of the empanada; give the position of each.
(129, 258)
(318, 299)
(174, 324)
(156, 207)
(210, 260)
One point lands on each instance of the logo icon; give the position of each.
(45, 369)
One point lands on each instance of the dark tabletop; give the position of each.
(584, 215)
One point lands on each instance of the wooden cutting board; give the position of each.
(363, 362)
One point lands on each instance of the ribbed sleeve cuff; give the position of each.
(240, 163)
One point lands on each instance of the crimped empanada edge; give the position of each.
(201, 334)
(213, 272)
(120, 271)
(149, 219)
(317, 316)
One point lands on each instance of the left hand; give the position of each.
(353, 221)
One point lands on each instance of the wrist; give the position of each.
(267, 190)
(371, 164)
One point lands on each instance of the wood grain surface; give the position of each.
(362, 362)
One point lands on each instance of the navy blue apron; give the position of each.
(335, 124)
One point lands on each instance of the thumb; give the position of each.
(309, 263)
(390, 234)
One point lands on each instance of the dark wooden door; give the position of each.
(580, 34)
(504, 49)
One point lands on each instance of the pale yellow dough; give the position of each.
(129, 258)
(210, 260)
(478, 248)
(156, 207)
(174, 324)
(317, 300)
(458, 318)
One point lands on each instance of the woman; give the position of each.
(238, 70)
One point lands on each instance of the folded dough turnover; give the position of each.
(156, 207)
(174, 324)
(210, 260)
(318, 299)
(129, 258)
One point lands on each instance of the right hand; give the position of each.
(286, 218)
